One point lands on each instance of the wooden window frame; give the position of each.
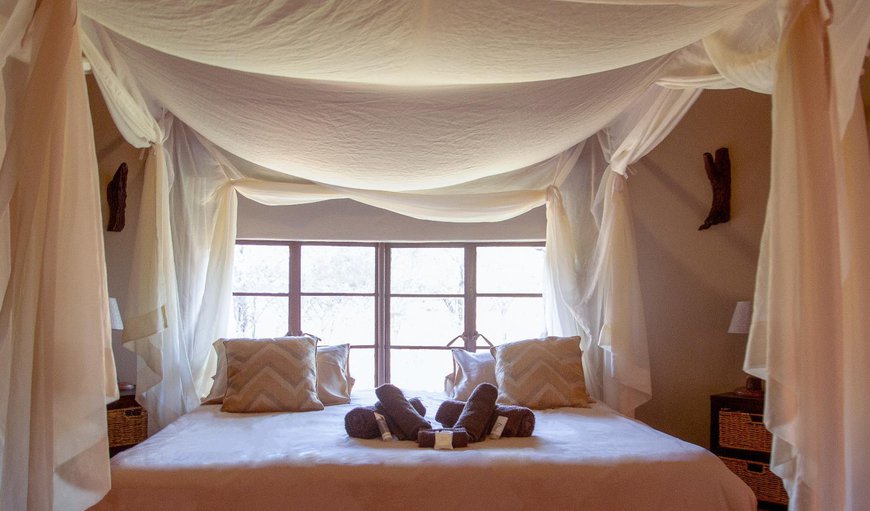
(382, 295)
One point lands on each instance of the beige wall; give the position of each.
(690, 279)
(112, 150)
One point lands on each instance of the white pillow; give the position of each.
(469, 371)
(334, 382)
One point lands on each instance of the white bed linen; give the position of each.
(578, 458)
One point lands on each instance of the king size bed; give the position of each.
(578, 458)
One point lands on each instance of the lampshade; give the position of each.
(741, 319)
(115, 315)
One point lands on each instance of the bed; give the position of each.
(579, 458)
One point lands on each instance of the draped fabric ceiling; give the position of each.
(461, 111)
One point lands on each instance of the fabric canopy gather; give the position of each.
(462, 111)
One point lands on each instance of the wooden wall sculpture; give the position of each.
(116, 194)
(719, 173)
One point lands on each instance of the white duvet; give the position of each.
(592, 459)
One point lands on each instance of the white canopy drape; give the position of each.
(408, 42)
(418, 178)
(462, 111)
(56, 364)
(808, 337)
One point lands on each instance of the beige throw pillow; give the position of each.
(541, 373)
(334, 384)
(271, 376)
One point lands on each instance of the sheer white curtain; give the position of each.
(809, 333)
(153, 322)
(171, 317)
(593, 287)
(202, 205)
(56, 365)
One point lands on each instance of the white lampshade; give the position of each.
(115, 315)
(741, 319)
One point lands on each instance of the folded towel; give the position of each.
(426, 437)
(520, 420)
(477, 411)
(360, 421)
(408, 421)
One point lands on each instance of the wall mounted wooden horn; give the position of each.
(719, 173)
(116, 194)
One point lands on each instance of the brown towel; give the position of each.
(477, 411)
(520, 423)
(406, 418)
(394, 428)
(360, 421)
(426, 437)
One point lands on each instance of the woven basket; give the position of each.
(766, 485)
(741, 430)
(127, 426)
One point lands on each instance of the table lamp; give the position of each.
(740, 322)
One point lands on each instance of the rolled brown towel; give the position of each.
(408, 421)
(394, 428)
(477, 411)
(449, 411)
(426, 437)
(360, 421)
(520, 420)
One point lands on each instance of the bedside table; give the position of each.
(739, 438)
(127, 423)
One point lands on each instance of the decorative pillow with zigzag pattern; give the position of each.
(541, 373)
(334, 382)
(277, 375)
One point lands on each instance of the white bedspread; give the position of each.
(591, 459)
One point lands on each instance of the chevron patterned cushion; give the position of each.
(334, 381)
(276, 375)
(541, 373)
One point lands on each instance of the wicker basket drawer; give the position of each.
(766, 485)
(127, 426)
(741, 430)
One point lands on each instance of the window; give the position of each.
(400, 306)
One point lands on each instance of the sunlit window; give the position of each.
(401, 307)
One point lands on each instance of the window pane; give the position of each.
(259, 316)
(331, 269)
(510, 269)
(425, 321)
(420, 369)
(427, 270)
(261, 269)
(339, 319)
(362, 368)
(503, 319)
